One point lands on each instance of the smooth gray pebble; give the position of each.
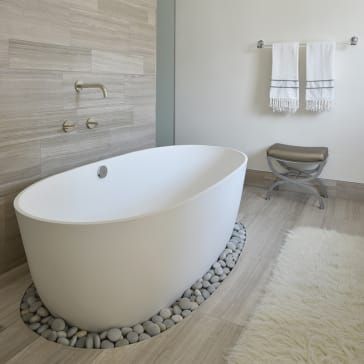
(122, 342)
(125, 330)
(42, 329)
(35, 326)
(97, 341)
(186, 313)
(143, 337)
(103, 335)
(132, 337)
(81, 342)
(177, 318)
(73, 341)
(106, 344)
(177, 310)
(35, 306)
(33, 319)
(153, 329)
(114, 335)
(168, 323)
(200, 300)
(165, 313)
(72, 331)
(162, 326)
(52, 336)
(46, 333)
(89, 341)
(58, 324)
(157, 319)
(61, 334)
(139, 329)
(42, 312)
(63, 341)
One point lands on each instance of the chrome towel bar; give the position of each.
(354, 40)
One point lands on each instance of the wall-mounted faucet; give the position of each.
(79, 85)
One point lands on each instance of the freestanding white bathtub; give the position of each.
(110, 252)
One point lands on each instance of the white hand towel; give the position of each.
(284, 90)
(320, 85)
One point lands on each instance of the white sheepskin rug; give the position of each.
(312, 310)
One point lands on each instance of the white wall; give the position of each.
(222, 80)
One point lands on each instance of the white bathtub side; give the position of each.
(98, 276)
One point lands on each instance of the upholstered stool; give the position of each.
(299, 166)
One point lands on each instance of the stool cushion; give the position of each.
(298, 154)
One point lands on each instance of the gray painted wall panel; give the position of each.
(165, 71)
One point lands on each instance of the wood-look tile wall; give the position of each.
(45, 46)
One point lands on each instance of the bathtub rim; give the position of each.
(28, 215)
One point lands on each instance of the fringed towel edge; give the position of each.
(284, 105)
(318, 105)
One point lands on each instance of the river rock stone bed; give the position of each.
(36, 316)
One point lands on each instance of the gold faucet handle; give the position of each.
(68, 126)
(91, 123)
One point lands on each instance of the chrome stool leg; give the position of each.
(273, 187)
(294, 175)
(323, 189)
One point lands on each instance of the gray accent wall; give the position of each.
(165, 72)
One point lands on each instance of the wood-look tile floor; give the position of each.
(206, 335)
